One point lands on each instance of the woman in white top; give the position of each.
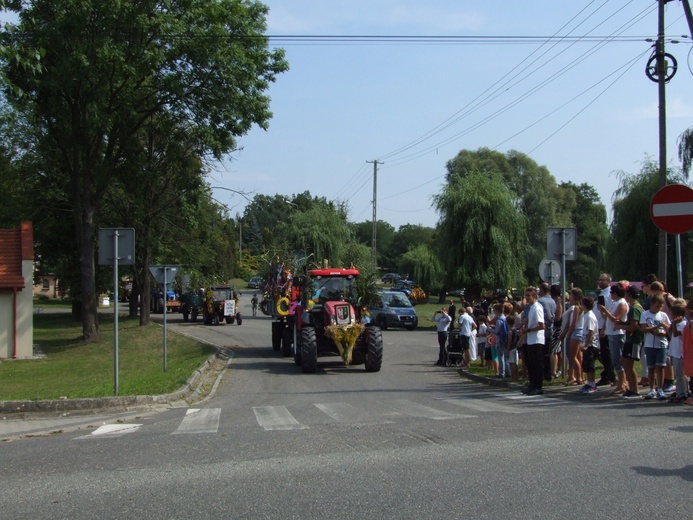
(617, 312)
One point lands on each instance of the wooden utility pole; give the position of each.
(661, 82)
(374, 254)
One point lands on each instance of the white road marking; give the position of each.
(113, 430)
(200, 420)
(276, 418)
(419, 410)
(536, 399)
(487, 405)
(345, 413)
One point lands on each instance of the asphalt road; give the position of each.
(411, 441)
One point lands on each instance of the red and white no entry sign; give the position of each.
(671, 209)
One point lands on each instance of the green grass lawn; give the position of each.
(76, 369)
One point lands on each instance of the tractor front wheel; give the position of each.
(309, 350)
(374, 349)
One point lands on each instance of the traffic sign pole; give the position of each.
(115, 312)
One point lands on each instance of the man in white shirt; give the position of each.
(443, 319)
(534, 331)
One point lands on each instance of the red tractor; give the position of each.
(315, 315)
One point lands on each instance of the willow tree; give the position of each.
(423, 266)
(483, 241)
(686, 151)
(110, 66)
(320, 233)
(535, 189)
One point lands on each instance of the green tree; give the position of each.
(321, 233)
(423, 266)
(164, 178)
(686, 151)
(482, 232)
(409, 236)
(111, 66)
(385, 240)
(535, 190)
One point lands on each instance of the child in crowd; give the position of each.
(511, 347)
(655, 323)
(589, 345)
(481, 348)
(679, 322)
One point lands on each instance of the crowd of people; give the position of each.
(525, 338)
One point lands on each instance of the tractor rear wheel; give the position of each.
(229, 319)
(215, 319)
(374, 349)
(309, 350)
(277, 335)
(239, 319)
(287, 336)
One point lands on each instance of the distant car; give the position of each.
(255, 282)
(396, 311)
(405, 286)
(456, 292)
(390, 277)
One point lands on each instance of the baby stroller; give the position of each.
(453, 349)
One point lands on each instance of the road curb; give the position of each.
(201, 384)
(505, 383)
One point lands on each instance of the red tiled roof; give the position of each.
(16, 245)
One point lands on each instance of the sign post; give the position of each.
(164, 275)
(116, 247)
(671, 210)
(561, 243)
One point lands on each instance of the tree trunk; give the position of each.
(90, 321)
(145, 285)
(134, 295)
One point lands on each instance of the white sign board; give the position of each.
(550, 270)
(229, 307)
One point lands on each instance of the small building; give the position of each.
(16, 291)
(48, 285)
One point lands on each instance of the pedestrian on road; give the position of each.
(253, 302)
(535, 342)
(443, 319)
(604, 298)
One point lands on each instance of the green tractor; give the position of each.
(191, 305)
(221, 304)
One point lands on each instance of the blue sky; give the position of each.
(582, 109)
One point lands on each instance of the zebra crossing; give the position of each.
(281, 418)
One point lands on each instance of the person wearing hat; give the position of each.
(634, 337)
